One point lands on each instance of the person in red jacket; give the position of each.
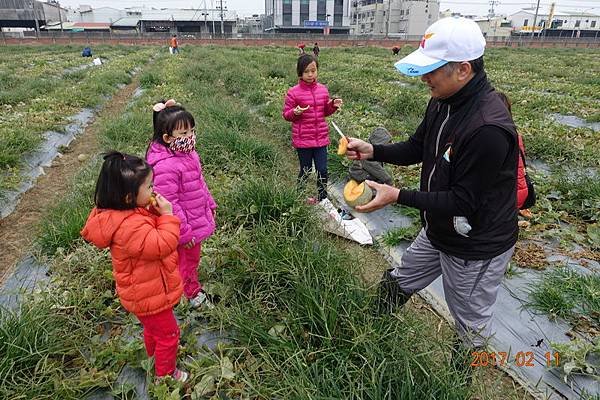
(174, 44)
(139, 228)
(306, 106)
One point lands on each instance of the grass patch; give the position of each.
(398, 235)
(567, 294)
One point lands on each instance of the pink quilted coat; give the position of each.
(178, 177)
(309, 129)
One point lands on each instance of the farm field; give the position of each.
(296, 309)
(42, 88)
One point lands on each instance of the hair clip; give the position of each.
(158, 107)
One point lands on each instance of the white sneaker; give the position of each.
(201, 300)
(180, 375)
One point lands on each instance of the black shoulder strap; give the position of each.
(523, 157)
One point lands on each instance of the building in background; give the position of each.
(307, 16)
(397, 18)
(497, 26)
(133, 20)
(97, 15)
(29, 14)
(252, 25)
(449, 13)
(569, 22)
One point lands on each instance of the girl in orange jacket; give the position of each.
(139, 228)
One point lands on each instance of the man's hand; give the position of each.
(299, 110)
(359, 149)
(386, 195)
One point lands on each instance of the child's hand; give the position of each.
(338, 103)
(163, 206)
(299, 110)
(190, 244)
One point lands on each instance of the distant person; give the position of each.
(306, 106)
(174, 45)
(395, 50)
(301, 51)
(316, 50)
(87, 52)
(178, 176)
(139, 228)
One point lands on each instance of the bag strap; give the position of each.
(523, 158)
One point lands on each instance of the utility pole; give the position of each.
(35, 18)
(60, 18)
(491, 13)
(387, 23)
(212, 12)
(222, 27)
(537, 8)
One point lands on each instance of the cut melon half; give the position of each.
(343, 146)
(357, 194)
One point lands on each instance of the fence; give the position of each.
(282, 39)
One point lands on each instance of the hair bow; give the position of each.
(161, 106)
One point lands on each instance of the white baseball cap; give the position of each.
(448, 39)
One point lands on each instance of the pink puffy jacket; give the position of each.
(178, 177)
(309, 129)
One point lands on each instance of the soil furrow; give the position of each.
(18, 229)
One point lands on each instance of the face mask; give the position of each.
(183, 144)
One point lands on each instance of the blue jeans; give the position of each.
(306, 157)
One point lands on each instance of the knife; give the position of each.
(338, 130)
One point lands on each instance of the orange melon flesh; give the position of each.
(357, 194)
(343, 146)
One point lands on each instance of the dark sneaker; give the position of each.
(460, 361)
(389, 295)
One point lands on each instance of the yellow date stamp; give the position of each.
(519, 359)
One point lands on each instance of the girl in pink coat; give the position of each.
(178, 177)
(306, 106)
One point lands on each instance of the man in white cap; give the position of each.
(467, 144)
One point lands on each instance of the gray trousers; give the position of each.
(470, 286)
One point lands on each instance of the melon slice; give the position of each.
(153, 201)
(343, 146)
(357, 194)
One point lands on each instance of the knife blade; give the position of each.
(338, 130)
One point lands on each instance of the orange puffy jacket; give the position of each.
(143, 247)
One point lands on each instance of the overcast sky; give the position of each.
(249, 7)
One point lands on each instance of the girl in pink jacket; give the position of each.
(178, 177)
(306, 106)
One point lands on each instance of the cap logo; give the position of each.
(425, 37)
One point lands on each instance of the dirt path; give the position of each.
(17, 229)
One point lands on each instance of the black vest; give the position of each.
(450, 124)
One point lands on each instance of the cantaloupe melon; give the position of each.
(153, 201)
(343, 146)
(357, 194)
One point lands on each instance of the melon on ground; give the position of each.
(357, 194)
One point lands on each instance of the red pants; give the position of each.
(189, 259)
(161, 337)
